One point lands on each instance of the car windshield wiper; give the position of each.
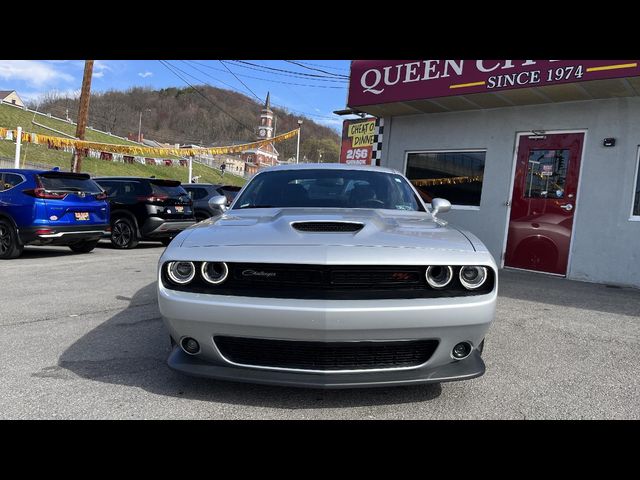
(257, 206)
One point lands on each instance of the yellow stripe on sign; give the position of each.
(612, 67)
(462, 85)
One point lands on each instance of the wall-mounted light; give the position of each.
(609, 142)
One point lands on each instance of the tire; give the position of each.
(10, 246)
(85, 246)
(166, 241)
(123, 234)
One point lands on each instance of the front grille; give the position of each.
(328, 227)
(325, 356)
(328, 282)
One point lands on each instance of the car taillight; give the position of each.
(44, 231)
(42, 193)
(152, 198)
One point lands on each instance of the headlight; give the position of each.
(181, 272)
(472, 277)
(439, 276)
(214, 272)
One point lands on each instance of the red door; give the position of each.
(543, 202)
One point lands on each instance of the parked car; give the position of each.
(328, 276)
(229, 191)
(146, 209)
(41, 207)
(208, 200)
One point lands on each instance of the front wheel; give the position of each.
(123, 234)
(85, 246)
(9, 244)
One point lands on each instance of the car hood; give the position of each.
(272, 228)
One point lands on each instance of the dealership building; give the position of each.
(539, 158)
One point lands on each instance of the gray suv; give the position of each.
(208, 200)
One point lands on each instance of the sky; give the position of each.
(313, 88)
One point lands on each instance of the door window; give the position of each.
(546, 173)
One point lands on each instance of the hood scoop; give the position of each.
(328, 227)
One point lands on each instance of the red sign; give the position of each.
(375, 82)
(357, 141)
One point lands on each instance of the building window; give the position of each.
(456, 176)
(636, 191)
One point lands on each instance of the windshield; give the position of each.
(329, 189)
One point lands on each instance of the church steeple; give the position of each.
(267, 104)
(265, 129)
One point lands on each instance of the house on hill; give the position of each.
(11, 97)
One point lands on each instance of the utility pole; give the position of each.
(83, 114)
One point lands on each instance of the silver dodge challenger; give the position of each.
(328, 276)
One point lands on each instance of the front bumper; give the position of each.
(62, 235)
(470, 367)
(448, 320)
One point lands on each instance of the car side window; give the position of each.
(1, 182)
(198, 193)
(10, 180)
(109, 188)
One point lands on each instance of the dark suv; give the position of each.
(201, 194)
(146, 209)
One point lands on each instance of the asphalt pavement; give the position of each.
(81, 337)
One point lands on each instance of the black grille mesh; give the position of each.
(328, 226)
(327, 356)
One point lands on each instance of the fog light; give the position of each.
(461, 350)
(190, 345)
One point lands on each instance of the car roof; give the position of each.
(327, 166)
(25, 170)
(135, 178)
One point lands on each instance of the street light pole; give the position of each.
(140, 124)
(298, 147)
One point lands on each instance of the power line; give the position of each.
(324, 66)
(167, 66)
(307, 76)
(316, 69)
(265, 79)
(245, 85)
(275, 105)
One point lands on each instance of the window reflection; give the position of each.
(456, 176)
(546, 174)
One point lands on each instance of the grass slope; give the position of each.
(12, 117)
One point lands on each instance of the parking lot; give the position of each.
(82, 338)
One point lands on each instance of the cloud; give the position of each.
(145, 74)
(98, 74)
(34, 73)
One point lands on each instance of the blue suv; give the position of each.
(50, 208)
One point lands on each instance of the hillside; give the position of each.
(12, 117)
(182, 115)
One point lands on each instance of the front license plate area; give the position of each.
(81, 216)
(179, 209)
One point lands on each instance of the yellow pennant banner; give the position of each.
(144, 151)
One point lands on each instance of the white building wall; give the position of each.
(606, 245)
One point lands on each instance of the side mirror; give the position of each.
(219, 201)
(440, 205)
